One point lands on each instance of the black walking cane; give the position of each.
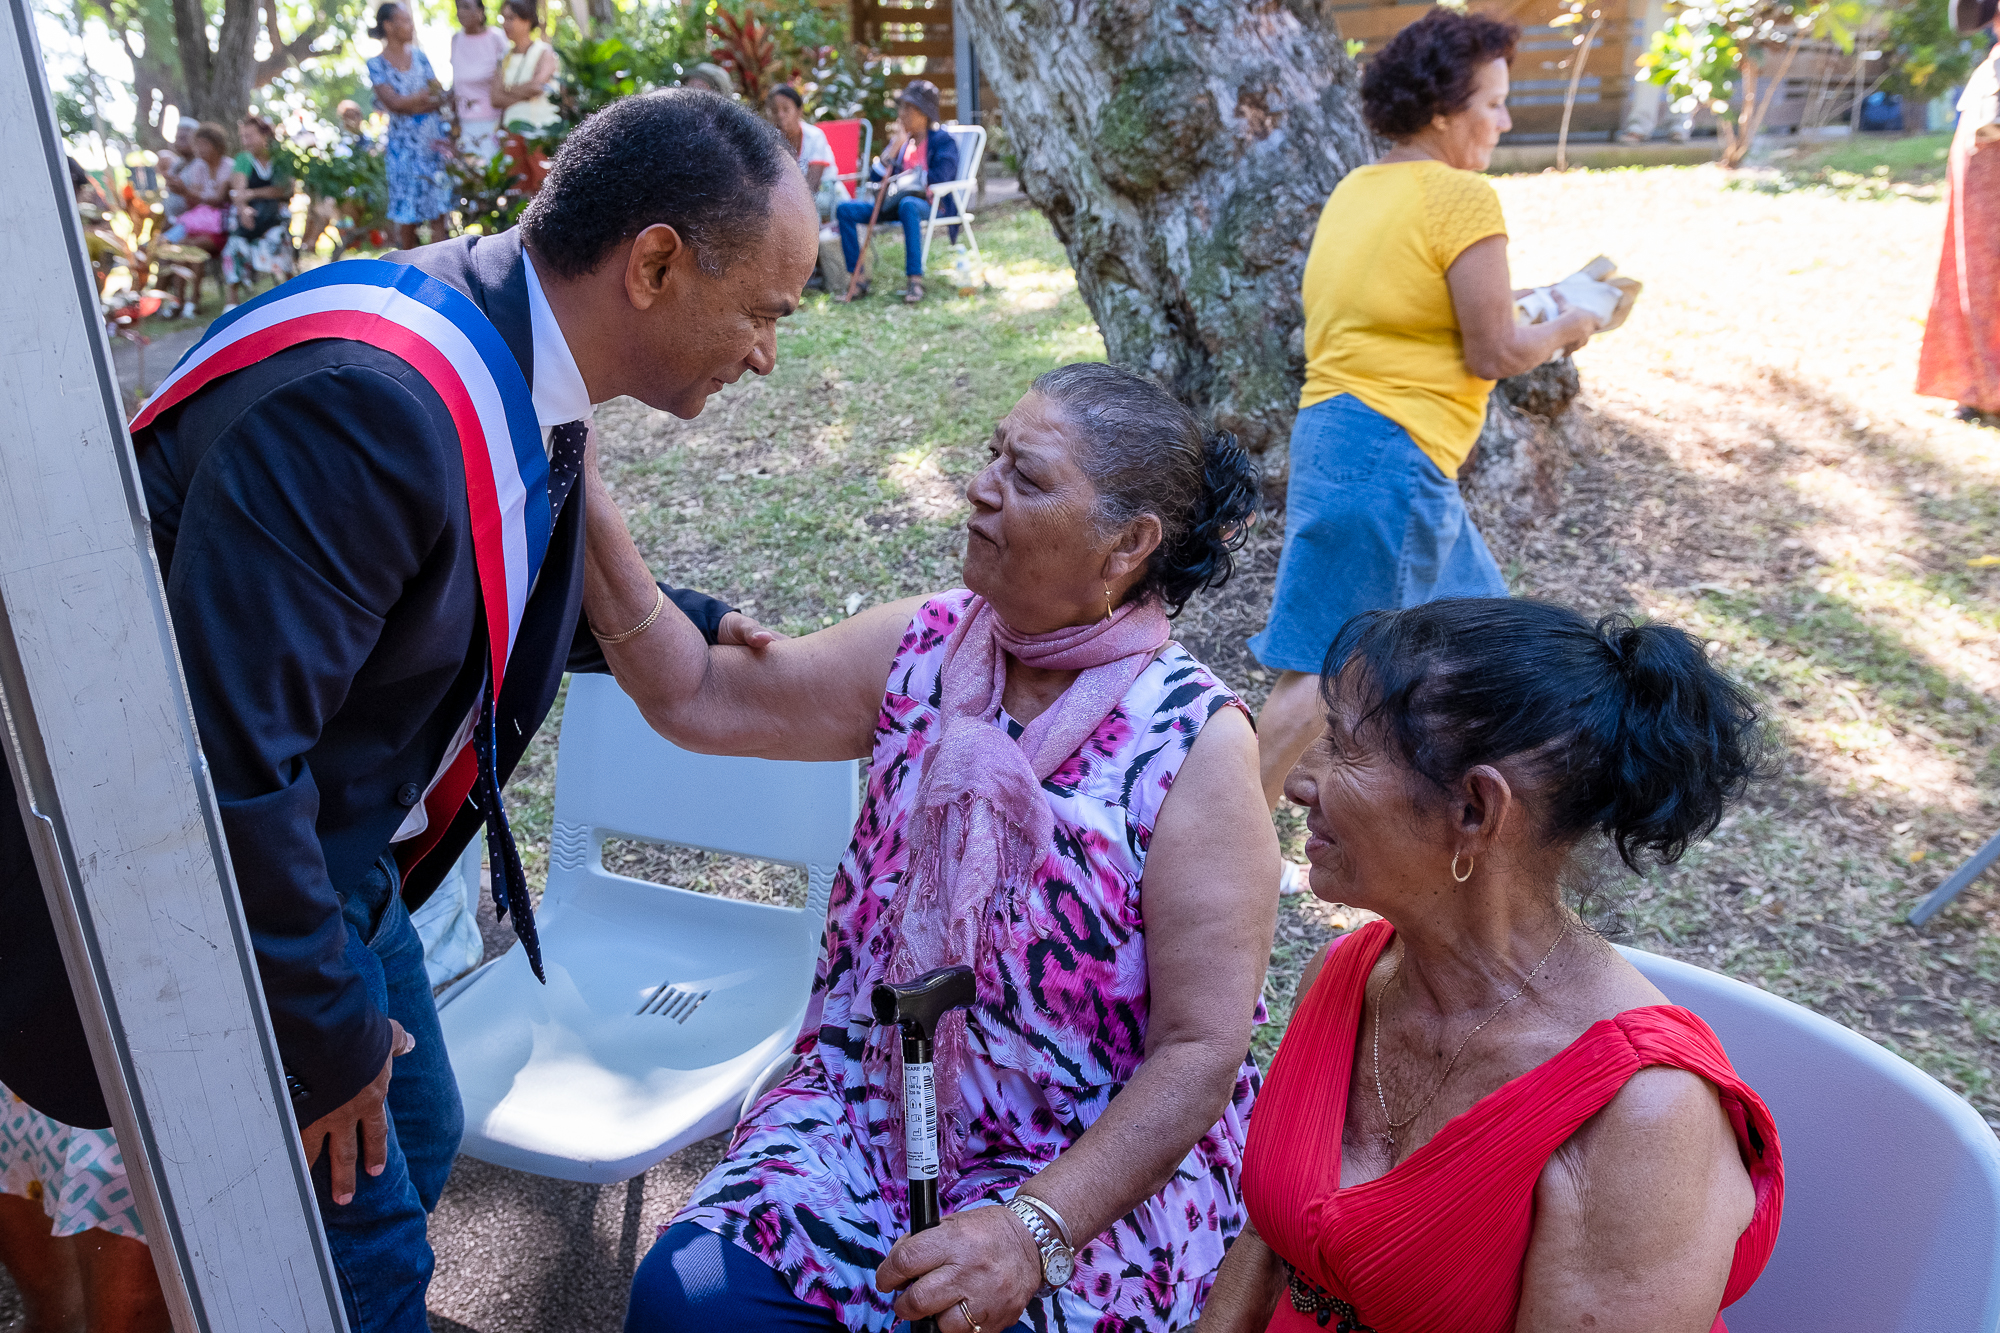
(917, 1007)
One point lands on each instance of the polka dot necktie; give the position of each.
(510, 883)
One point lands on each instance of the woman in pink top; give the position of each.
(476, 53)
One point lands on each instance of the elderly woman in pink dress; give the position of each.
(1060, 797)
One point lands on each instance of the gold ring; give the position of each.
(966, 1311)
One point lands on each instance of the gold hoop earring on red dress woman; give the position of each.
(1469, 864)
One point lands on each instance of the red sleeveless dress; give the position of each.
(1437, 1245)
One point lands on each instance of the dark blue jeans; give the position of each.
(693, 1279)
(381, 1252)
(854, 214)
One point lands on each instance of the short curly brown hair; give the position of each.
(1428, 69)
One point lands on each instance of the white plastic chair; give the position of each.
(666, 1011)
(971, 141)
(1892, 1181)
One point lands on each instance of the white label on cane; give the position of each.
(920, 1121)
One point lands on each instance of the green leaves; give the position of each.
(1699, 55)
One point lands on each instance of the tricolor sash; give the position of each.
(450, 342)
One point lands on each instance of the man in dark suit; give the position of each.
(310, 512)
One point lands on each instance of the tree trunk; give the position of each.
(220, 79)
(1530, 439)
(156, 72)
(1183, 152)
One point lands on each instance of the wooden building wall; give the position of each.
(904, 28)
(1538, 84)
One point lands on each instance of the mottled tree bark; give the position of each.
(1531, 437)
(1183, 151)
(219, 77)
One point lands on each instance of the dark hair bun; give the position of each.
(1231, 485)
(1626, 729)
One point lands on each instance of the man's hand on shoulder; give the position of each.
(361, 1121)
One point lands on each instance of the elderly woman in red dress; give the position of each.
(1482, 1118)
(1961, 356)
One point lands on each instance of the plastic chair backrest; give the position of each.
(848, 139)
(971, 141)
(615, 777)
(1892, 1181)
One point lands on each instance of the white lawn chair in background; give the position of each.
(1892, 1182)
(971, 141)
(665, 1011)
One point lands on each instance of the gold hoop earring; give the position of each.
(1469, 864)
(1107, 601)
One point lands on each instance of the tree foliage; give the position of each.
(1732, 56)
(1927, 57)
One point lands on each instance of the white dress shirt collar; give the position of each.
(559, 391)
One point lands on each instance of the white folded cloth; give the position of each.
(1594, 287)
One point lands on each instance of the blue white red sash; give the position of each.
(451, 343)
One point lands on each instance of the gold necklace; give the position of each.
(1395, 1124)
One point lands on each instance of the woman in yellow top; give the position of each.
(1409, 321)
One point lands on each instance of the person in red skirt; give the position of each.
(1961, 355)
(1482, 1118)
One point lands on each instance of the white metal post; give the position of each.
(109, 773)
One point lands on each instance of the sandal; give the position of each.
(860, 290)
(913, 293)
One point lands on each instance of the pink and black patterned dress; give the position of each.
(812, 1184)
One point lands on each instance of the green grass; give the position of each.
(1872, 167)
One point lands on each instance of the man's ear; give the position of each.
(655, 263)
(1136, 545)
(1481, 808)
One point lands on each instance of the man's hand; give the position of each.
(362, 1118)
(740, 631)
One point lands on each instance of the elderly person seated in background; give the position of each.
(1409, 321)
(807, 141)
(1482, 1118)
(915, 145)
(1060, 797)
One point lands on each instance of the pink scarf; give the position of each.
(982, 823)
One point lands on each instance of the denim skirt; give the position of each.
(1370, 524)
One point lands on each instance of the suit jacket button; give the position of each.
(409, 794)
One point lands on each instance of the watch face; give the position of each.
(1058, 1267)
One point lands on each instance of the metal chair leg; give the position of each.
(1956, 885)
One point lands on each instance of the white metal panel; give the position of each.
(109, 773)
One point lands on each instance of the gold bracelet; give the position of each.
(659, 605)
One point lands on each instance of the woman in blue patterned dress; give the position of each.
(408, 89)
(1060, 797)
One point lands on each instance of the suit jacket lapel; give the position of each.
(499, 280)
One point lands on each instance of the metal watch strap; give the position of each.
(1048, 1210)
(1045, 1239)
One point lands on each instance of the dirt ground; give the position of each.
(1755, 467)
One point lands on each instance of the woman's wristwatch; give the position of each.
(1058, 1259)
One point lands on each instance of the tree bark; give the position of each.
(1532, 436)
(1183, 152)
(220, 78)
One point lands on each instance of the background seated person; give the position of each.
(786, 109)
(1060, 797)
(916, 144)
(261, 240)
(1482, 1118)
